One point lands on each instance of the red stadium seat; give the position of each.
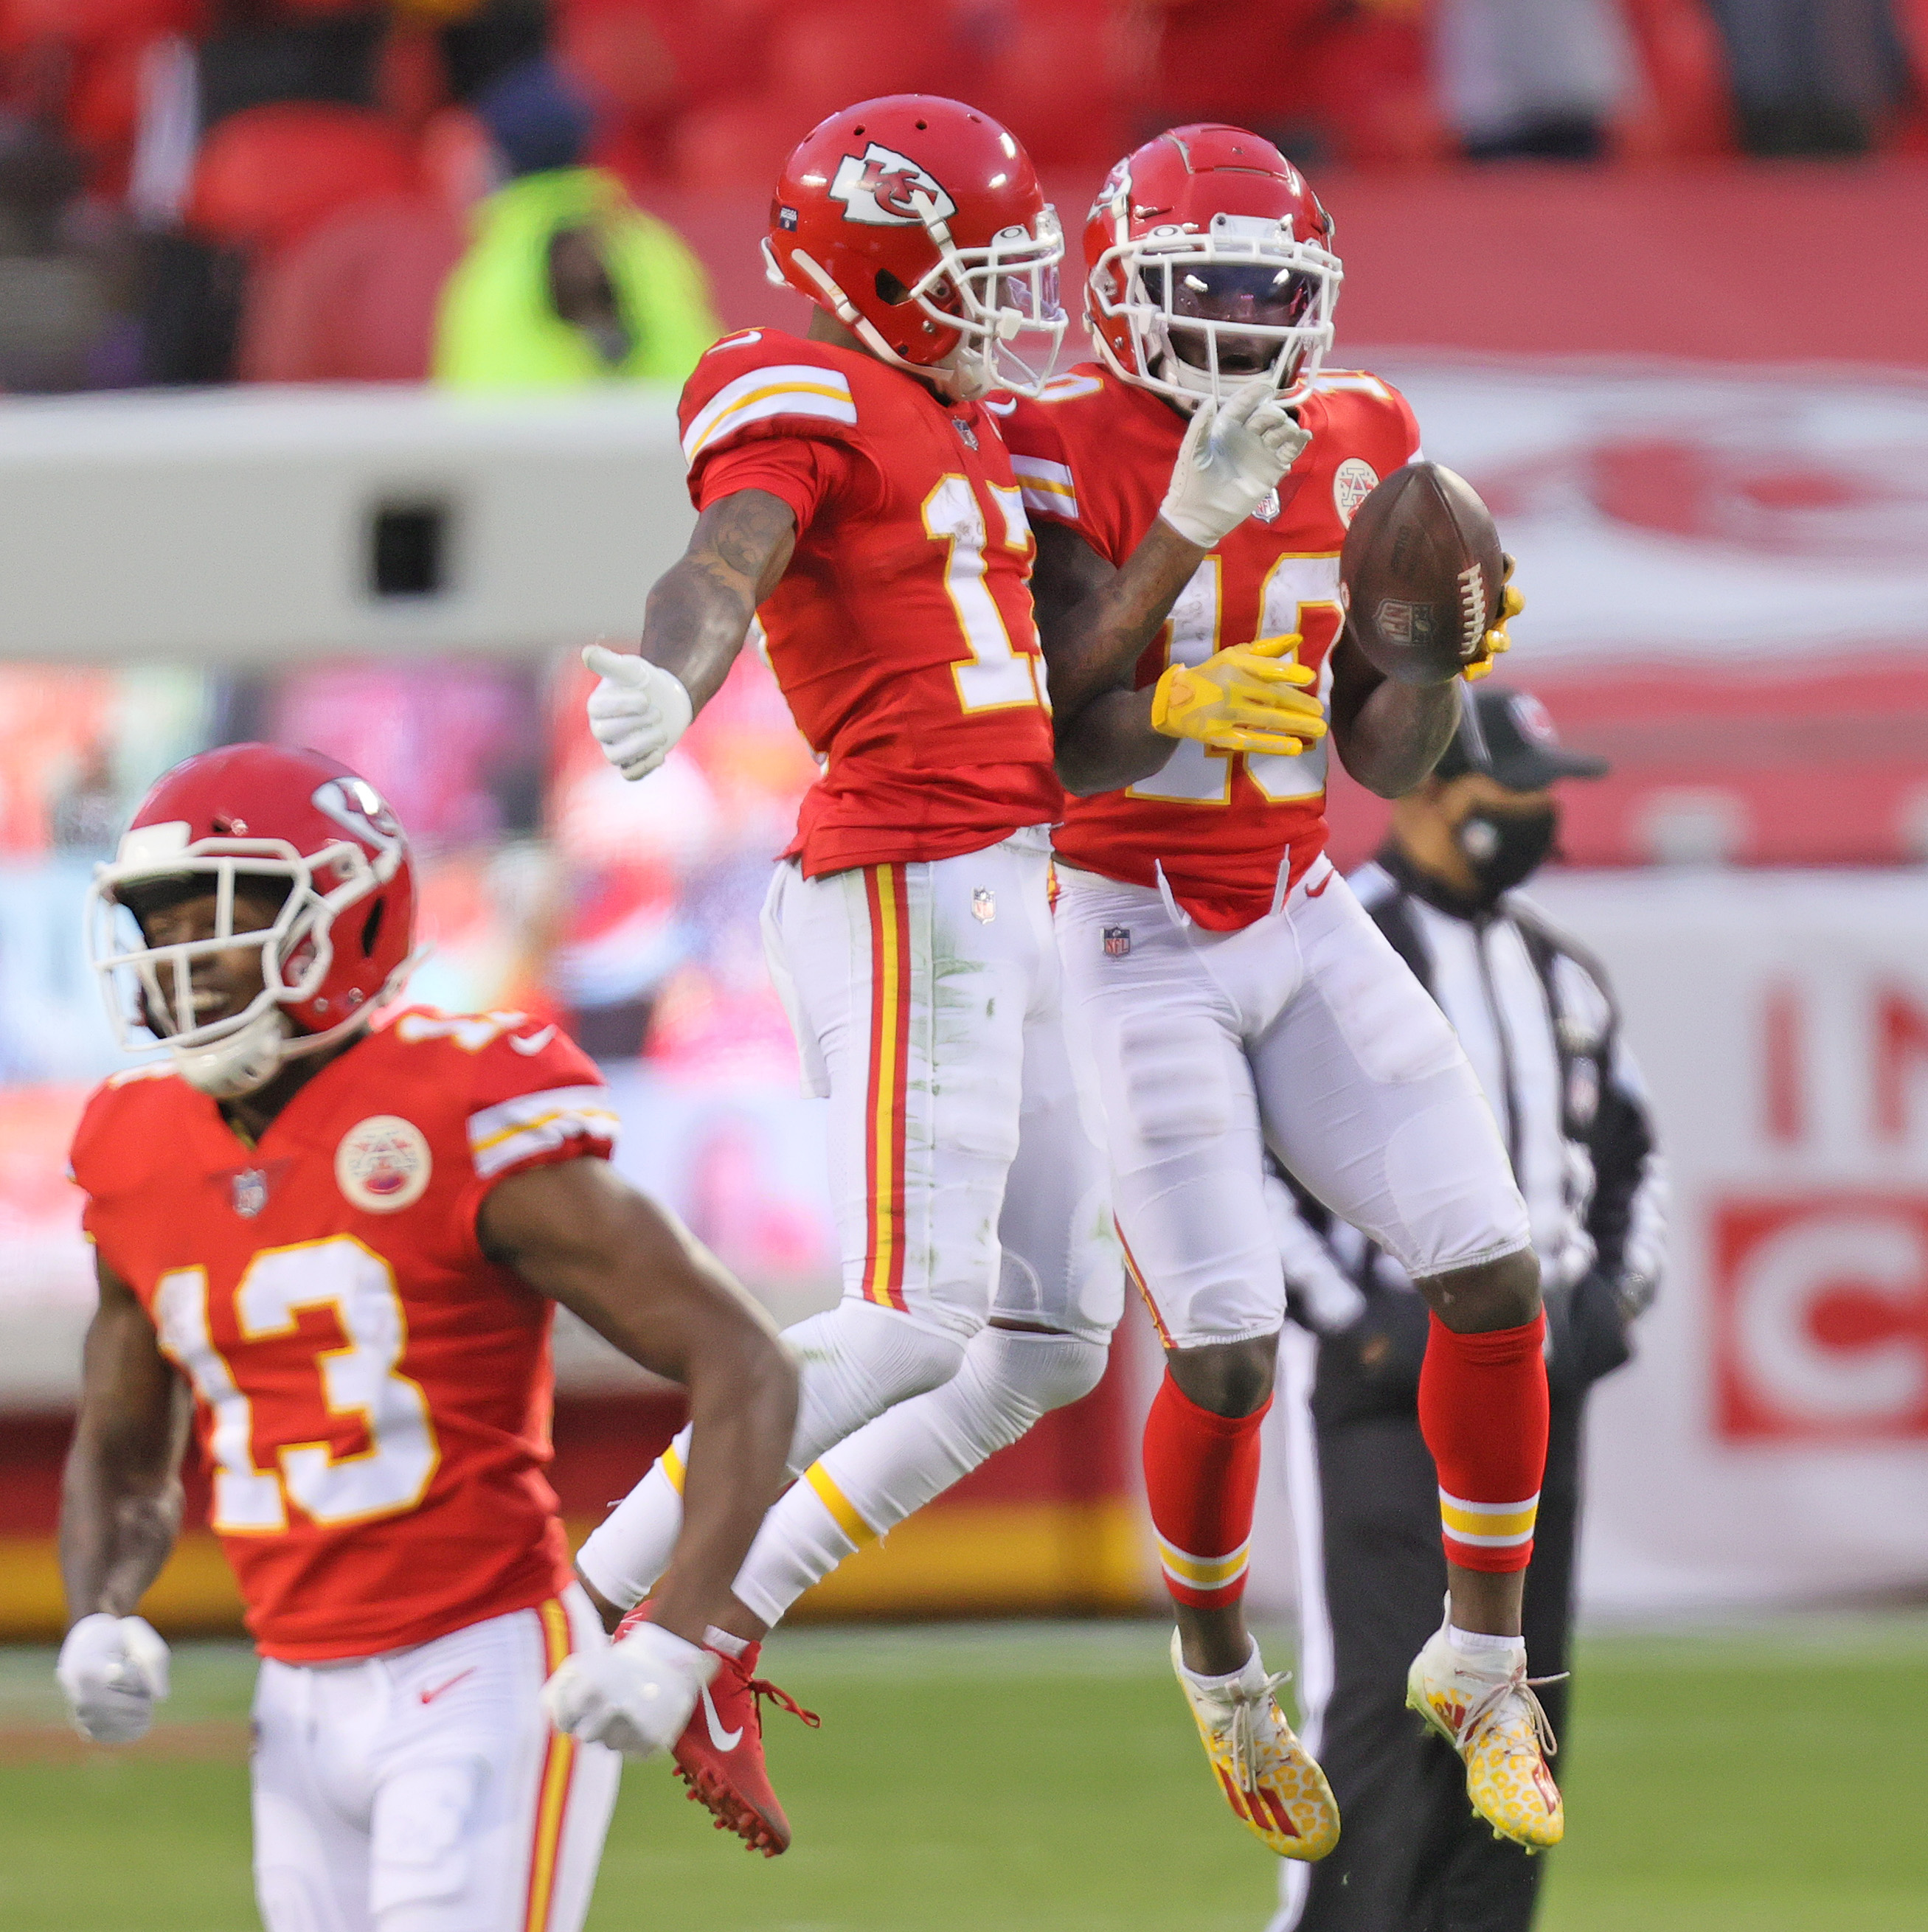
(353, 301)
(91, 23)
(1687, 110)
(268, 176)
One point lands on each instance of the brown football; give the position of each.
(1423, 573)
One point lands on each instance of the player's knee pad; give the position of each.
(1009, 1378)
(856, 1361)
(1024, 1374)
(285, 1898)
(422, 1849)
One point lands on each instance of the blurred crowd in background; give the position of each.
(193, 191)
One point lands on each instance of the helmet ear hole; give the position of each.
(371, 928)
(889, 289)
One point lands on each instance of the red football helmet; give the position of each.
(307, 827)
(919, 223)
(1209, 260)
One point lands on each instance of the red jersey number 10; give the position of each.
(1300, 594)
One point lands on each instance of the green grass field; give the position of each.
(1034, 1778)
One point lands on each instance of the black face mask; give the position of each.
(1504, 847)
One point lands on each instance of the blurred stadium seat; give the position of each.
(268, 176)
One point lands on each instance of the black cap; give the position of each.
(1509, 736)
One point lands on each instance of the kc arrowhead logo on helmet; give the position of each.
(877, 187)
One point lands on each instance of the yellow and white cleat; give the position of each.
(1269, 1778)
(1482, 1703)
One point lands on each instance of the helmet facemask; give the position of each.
(1208, 312)
(991, 296)
(985, 297)
(151, 987)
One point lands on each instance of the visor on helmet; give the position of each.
(991, 295)
(1208, 310)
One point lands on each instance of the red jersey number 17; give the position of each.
(996, 676)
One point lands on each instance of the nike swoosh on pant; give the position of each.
(724, 1741)
(535, 1043)
(1311, 892)
(429, 1696)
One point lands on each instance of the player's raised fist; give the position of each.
(1232, 458)
(113, 1671)
(636, 1696)
(637, 711)
(1424, 577)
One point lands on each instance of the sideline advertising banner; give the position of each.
(1770, 1442)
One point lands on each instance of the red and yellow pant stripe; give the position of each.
(552, 1790)
(1137, 1276)
(891, 968)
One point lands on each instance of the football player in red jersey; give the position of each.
(1229, 991)
(855, 495)
(339, 1247)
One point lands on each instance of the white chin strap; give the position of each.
(242, 1063)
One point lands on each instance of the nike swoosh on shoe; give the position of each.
(724, 1741)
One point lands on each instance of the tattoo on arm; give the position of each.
(700, 610)
(1095, 621)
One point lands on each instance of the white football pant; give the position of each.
(926, 1002)
(1304, 1032)
(423, 1790)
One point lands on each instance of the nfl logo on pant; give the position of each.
(1117, 941)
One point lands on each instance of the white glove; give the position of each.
(1233, 454)
(114, 1671)
(636, 1696)
(637, 711)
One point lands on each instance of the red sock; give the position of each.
(1482, 1411)
(1202, 1475)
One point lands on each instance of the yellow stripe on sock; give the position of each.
(1488, 1523)
(671, 1464)
(1203, 1572)
(840, 1506)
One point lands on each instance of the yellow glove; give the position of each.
(1496, 640)
(1246, 699)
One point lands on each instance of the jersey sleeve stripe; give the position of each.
(791, 389)
(1045, 486)
(533, 1124)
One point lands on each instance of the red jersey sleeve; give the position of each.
(534, 1098)
(113, 1153)
(1040, 462)
(1064, 453)
(760, 413)
(803, 472)
(1369, 419)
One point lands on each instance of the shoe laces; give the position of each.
(1248, 1709)
(1486, 1710)
(761, 1687)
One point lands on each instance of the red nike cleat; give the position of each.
(719, 1756)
